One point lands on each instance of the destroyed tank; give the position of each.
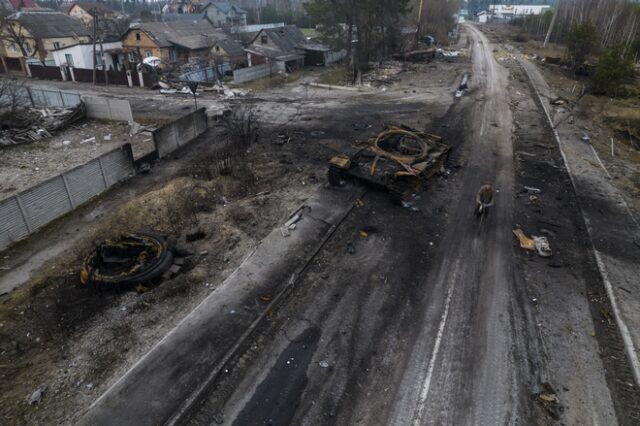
(400, 160)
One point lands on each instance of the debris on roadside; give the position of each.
(534, 199)
(36, 124)
(421, 55)
(539, 244)
(127, 260)
(548, 399)
(559, 101)
(542, 246)
(37, 395)
(525, 242)
(323, 364)
(585, 137)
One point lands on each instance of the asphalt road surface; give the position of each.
(425, 320)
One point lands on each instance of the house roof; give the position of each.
(100, 8)
(49, 24)
(232, 47)
(224, 7)
(289, 38)
(19, 4)
(192, 35)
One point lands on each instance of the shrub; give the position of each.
(615, 67)
(581, 42)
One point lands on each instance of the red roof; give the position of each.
(19, 4)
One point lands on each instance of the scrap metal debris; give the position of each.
(399, 159)
(36, 124)
(548, 399)
(127, 260)
(539, 244)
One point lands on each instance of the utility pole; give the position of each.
(95, 31)
(419, 24)
(104, 64)
(552, 24)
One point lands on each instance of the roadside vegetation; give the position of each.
(601, 40)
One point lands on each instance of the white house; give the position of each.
(482, 16)
(509, 11)
(81, 55)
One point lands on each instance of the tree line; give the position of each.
(606, 29)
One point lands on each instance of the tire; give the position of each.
(151, 274)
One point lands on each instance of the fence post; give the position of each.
(73, 75)
(66, 188)
(141, 77)
(63, 73)
(61, 98)
(104, 175)
(23, 212)
(33, 104)
(109, 109)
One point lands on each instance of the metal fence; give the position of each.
(52, 98)
(207, 74)
(244, 75)
(35, 207)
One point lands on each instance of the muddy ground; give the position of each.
(74, 342)
(26, 165)
(602, 118)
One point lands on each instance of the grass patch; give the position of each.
(333, 76)
(276, 80)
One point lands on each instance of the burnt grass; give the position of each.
(556, 214)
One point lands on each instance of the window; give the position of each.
(69, 59)
(132, 57)
(147, 53)
(217, 48)
(138, 36)
(98, 59)
(14, 47)
(172, 55)
(56, 45)
(264, 39)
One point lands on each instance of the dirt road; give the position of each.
(411, 316)
(430, 321)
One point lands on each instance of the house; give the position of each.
(85, 12)
(228, 50)
(285, 44)
(17, 5)
(482, 16)
(81, 56)
(183, 6)
(32, 35)
(172, 42)
(224, 14)
(510, 11)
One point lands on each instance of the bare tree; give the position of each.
(13, 95)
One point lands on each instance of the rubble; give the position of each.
(36, 124)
